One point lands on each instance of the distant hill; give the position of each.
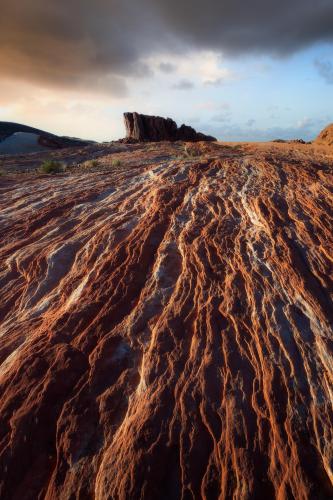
(16, 138)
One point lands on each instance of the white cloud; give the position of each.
(201, 67)
(63, 113)
(305, 123)
(183, 84)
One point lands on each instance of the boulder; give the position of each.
(145, 128)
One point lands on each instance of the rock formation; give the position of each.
(166, 327)
(17, 138)
(326, 136)
(144, 128)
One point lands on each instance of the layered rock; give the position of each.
(326, 136)
(145, 128)
(166, 328)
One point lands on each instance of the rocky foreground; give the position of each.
(166, 326)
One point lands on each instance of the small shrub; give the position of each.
(94, 163)
(116, 163)
(52, 167)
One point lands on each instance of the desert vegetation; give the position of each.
(116, 162)
(52, 167)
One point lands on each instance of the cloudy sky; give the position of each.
(240, 70)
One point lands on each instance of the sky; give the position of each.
(255, 70)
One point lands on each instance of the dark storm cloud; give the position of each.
(77, 43)
(73, 42)
(263, 26)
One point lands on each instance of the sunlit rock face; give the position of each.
(166, 328)
(326, 136)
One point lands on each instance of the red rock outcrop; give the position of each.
(166, 328)
(326, 136)
(145, 128)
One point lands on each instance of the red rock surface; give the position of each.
(326, 136)
(167, 327)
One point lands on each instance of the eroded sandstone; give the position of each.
(166, 327)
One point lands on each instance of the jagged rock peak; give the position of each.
(145, 128)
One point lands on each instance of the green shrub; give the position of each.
(116, 163)
(94, 163)
(52, 167)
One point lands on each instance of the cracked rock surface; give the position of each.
(166, 327)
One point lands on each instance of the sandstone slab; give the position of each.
(166, 327)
